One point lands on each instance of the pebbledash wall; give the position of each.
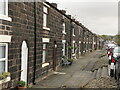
(36, 36)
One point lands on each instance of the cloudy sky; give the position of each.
(99, 16)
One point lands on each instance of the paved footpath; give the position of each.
(74, 76)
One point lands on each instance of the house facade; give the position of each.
(33, 38)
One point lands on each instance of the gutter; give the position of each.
(34, 70)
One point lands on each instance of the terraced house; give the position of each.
(33, 38)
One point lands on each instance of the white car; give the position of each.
(110, 47)
(115, 53)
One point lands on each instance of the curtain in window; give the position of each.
(2, 52)
(45, 20)
(2, 7)
(44, 53)
(2, 67)
(2, 56)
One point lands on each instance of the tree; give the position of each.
(117, 39)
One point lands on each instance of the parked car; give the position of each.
(116, 57)
(110, 54)
(112, 67)
(112, 60)
(110, 49)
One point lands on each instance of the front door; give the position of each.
(24, 61)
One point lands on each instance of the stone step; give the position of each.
(98, 73)
(104, 72)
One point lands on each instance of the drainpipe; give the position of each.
(71, 27)
(34, 71)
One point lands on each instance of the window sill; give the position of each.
(3, 17)
(4, 81)
(46, 28)
(73, 54)
(45, 64)
(64, 32)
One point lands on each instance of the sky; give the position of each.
(99, 16)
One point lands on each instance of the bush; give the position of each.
(70, 47)
(21, 83)
(6, 74)
(70, 60)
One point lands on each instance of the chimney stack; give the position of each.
(63, 11)
(69, 16)
(54, 4)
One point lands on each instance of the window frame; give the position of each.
(44, 57)
(6, 8)
(45, 12)
(64, 31)
(64, 49)
(44, 53)
(73, 31)
(73, 44)
(6, 56)
(5, 16)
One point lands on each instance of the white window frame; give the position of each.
(73, 31)
(45, 12)
(63, 49)
(44, 63)
(73, 50)
(44, 20)
(5, 16)
(79, 47)
(79, 31)
(6, 57)
(44, 53)
(63, 29)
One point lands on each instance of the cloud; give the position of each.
(100, 17)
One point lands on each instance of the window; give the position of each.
(79, 46)
(79, 31)
(63, 49)
(64, 28)
(4, 7)
(73, 31)
(3, 57)
(44, 58)
(73, 50)
(45, 12)
(44, 53)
